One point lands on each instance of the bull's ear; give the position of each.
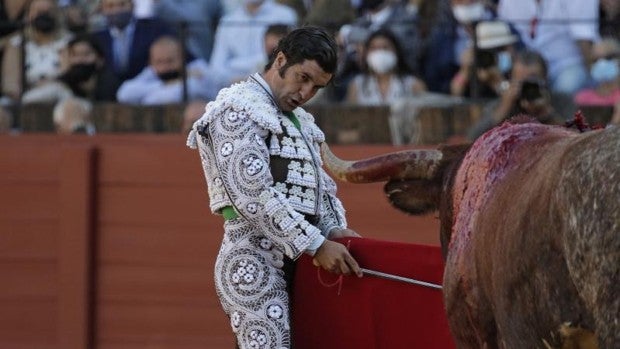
(415, 197)
(453, 152)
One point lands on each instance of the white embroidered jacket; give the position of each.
(236, 137)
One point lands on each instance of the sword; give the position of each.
(399, 278)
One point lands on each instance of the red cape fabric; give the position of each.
(371, 312)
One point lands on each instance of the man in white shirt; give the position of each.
(161, 81)
(562, 31)
(239, 44)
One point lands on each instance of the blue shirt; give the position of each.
(239, 40)
(148, 89)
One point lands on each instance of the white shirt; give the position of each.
(148, 89)
(560, 24)
(239, 40)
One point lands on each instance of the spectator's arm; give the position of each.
(135, 90)
(352, 92)
(585, 47)
(166, 94)
(584, 28)
(11, 68)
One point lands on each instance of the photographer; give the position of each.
(493, 60)
(527, 94)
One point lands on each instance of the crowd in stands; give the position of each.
(539, 57)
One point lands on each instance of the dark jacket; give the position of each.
(146, 32)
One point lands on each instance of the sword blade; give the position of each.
(393, 277)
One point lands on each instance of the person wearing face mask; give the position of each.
(496, 47)
(449, 40)
(44, 47)
(527, 93)
(403, 19)
(467, 13)
(563, 31)
(605, 73)
(161, 81)
(386, 78)
(87, 76)
(126, 40)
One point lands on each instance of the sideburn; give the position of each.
(283, 69)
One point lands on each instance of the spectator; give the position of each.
(467, 13)
(301, 7)
(76, 18)
(10, 13)
(45, 45)
(562, 31)
(161, 81)
(330, 14)
(73, 115)
(126, 40)
(496, 47)
(239, 44)
(449, 39)
(86, 77)
(604, 72)
(609, 24)
(272, 37)
(528, 94)
(386, 77)
(396, 17)
(202, 18)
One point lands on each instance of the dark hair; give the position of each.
(278, 29)
(401, 65)
(88, 39)
(307, 43)
(529, 58)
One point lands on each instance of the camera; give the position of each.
(532, 89)
(485, 59)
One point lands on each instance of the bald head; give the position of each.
(166, 55)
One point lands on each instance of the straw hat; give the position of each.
(492, 34)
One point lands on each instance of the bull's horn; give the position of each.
(407, 164)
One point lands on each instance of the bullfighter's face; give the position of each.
(294, 85)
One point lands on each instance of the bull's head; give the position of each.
(418, 181)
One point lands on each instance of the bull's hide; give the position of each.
(534, 255)
(536, 238)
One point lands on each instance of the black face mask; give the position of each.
(169, 75)
(45, 23)
(80, 72)
(77, 28)
(371, 4)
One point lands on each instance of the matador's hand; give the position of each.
(343, 233)
(334, 257)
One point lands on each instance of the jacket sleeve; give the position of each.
(242, 160)
(332, 210)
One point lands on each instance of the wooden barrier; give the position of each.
(110, 117)
(107, 241)
(341, 123)
(353, 124)
(438, 124)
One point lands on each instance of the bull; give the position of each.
(530, 231)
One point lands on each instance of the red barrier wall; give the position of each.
(108, 242)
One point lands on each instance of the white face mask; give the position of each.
(381, 61)
(251, 2)
(468, 13)
(504, 61)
